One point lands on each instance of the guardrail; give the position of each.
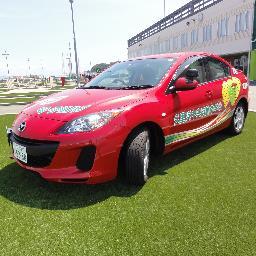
(193, 7)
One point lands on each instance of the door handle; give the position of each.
(209, 94)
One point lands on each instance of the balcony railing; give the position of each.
(193, 7)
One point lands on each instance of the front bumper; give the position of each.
(39, 153)
(87, 161)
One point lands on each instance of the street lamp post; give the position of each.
(42, 67)
(75, 48)
(164, 8)
(69, 66)
(6, 58)
(29, 73)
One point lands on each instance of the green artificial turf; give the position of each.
(199, 200)
(20, 99)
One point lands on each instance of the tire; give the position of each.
(137, 158)
(238, 120)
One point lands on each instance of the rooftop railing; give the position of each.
(190, 9)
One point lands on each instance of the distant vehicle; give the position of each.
(131, 111)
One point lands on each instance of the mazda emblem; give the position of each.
(22, 127)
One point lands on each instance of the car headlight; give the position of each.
(89, 122)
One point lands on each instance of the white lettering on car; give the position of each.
(61, 109)
(185, 117)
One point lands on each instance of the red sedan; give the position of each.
(137, 108)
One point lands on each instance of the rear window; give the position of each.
(217, 69)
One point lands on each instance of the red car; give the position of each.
(137, 108)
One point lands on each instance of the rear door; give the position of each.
(217, 73)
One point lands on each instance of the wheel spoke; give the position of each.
(239, 119)
(146, 157)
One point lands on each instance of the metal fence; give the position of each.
(190, 9)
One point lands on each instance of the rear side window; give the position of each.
(217, 69)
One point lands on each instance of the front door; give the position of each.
(191, 111)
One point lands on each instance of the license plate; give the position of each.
(20, 152)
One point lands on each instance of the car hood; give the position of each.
(70, 104)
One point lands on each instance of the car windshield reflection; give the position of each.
(133, 74)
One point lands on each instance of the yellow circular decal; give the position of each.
(230, 91)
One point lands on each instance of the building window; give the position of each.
(194, 36)
(242, 21)
(175, 43)
(149, 50)
(184, 40)
(207, 33)
(145, 51)
(156, 48)
(223, 27)
(167, 45)
(162, 47)
(170, 44)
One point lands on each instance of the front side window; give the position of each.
(134, 73)
(217, 69)
(199, 66)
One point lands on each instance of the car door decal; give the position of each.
(230, 93)
(221, 118)
(193, 114)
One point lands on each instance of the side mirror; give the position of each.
(185, 84)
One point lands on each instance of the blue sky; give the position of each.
(41, 31)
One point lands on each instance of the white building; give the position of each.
(223, 27)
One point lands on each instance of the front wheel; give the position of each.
(238, 119)
(137, 157)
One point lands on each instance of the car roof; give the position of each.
(173, 55)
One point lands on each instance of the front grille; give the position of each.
(40, 153)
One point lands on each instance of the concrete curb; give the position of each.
(9, 114)
(16, 103)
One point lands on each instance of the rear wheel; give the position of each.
(238, 119)
(137, 157)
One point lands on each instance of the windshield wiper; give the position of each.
(92, 87)
(136, 87)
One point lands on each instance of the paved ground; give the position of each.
(16, 109)
(26, 90)
(252, 98)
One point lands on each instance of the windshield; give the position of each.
(132, 74)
